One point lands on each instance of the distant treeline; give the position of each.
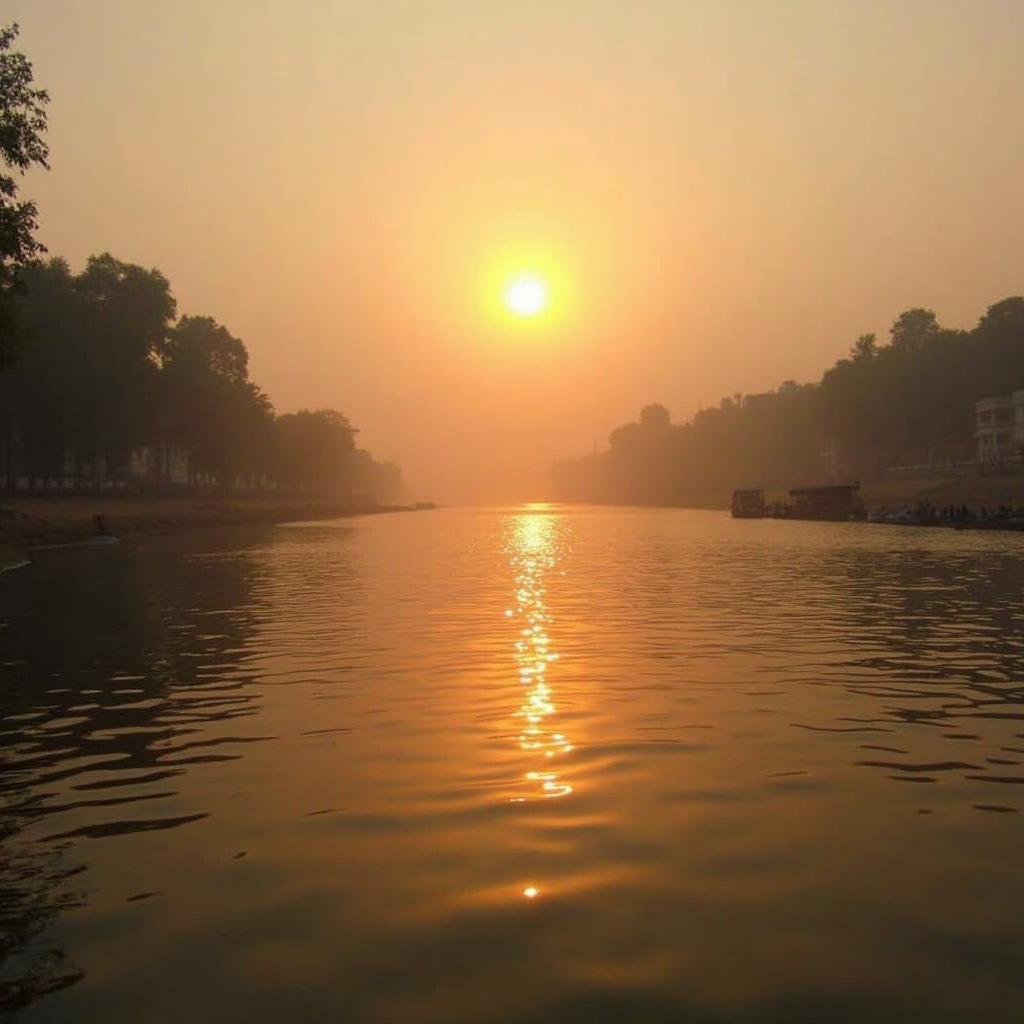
(907, 402)
(106, 385)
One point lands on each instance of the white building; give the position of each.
(999, 428)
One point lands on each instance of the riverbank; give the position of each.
(28, 522)
(975, 492)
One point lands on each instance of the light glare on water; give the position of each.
(534, 554)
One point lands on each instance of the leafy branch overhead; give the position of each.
(22, 146)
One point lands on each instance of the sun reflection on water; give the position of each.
(534, 554)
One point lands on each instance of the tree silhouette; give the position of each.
(910, 402)
(865, 347)
(914, 329)
(107, 372)
(22, 125)
(314, 451)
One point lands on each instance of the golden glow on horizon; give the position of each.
(526, 295)
(673, 177)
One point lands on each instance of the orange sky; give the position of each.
(724, 196)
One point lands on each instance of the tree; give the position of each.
(1000, 333)
(203, 344)
(377, 481)
(908, 403)
(106, 372)
(40, 403)
(865, 347)
(86, 381)
(654, 417)
(22, 124)
(315, 451)
(127, 313)
(913, 329)
(208, 405)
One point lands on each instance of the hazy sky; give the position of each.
(723, 195)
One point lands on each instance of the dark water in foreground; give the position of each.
(516, 766)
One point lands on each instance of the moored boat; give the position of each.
(748, 504)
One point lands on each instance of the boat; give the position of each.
(748, 504)
(829, 502)
(837, 502)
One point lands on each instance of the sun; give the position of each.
(526, 295)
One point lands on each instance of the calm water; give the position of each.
(523, 765)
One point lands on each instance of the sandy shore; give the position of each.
(28, 522)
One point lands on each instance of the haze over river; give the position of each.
(536, 764)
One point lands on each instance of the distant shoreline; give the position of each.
(975, 492)
(35, 521)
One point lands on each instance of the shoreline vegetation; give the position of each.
(36, 522)
(118, 416)
(110, 389)
(900, 417)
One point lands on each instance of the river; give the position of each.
(536, 764)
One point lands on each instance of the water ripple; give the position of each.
(515, 766)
